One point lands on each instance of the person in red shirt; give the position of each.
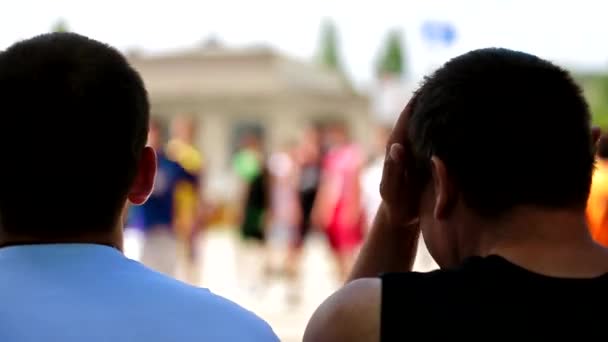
(339, 208)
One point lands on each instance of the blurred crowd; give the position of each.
(320, 182)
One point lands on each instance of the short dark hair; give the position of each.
(512, 129)
(74, 125)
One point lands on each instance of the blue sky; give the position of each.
(571, 33)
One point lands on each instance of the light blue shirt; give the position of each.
(93, 293)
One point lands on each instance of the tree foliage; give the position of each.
(595, 87)
(60, 26)
(392, 59)
(328, 54)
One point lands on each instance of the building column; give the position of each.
(213, 141)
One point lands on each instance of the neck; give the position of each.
(113, 239)
(551, 242)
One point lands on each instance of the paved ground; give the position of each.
(220, 267)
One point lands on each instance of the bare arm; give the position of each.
(388, 248)
(351, 314)
(393, 239)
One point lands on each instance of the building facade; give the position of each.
(229, 92)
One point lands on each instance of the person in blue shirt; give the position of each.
(63, 274)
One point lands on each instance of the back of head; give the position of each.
(74, 126)
(512, 129)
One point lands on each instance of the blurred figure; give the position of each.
(285, 207)
(597, 205)
(308, 176)
(285, 213)
(338, 209)
(249, 165)
(372, 174)
(64, 276)
(157, 215)
(188, 203)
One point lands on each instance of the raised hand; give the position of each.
(400, 189)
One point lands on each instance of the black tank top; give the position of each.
(490, 298)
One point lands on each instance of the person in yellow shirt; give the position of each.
(188, 198)
(597, 205)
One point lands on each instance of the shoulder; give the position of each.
(176, 168)
(227, 311)
(209, 313)
(241, 320)
(350, 314)
(353, 312)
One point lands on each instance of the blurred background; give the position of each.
(279, 110)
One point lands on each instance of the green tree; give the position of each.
(595, 89)
(328, 54)
(60, 26)
(391, 60)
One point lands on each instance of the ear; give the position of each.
(444, 194)
(144, 179)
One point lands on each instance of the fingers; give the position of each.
(399, 133)
(397, 153)
(393, 174)
(393, 187)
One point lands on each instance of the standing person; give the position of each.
(188, 198)
(502, 213)
(308, 176)
(64, 276)
(339, 208)
(252, 170)
(597, 205)
(157, 215)
(372, 174)
(284, 208)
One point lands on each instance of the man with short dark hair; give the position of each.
(73, 130)
(492, 160)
